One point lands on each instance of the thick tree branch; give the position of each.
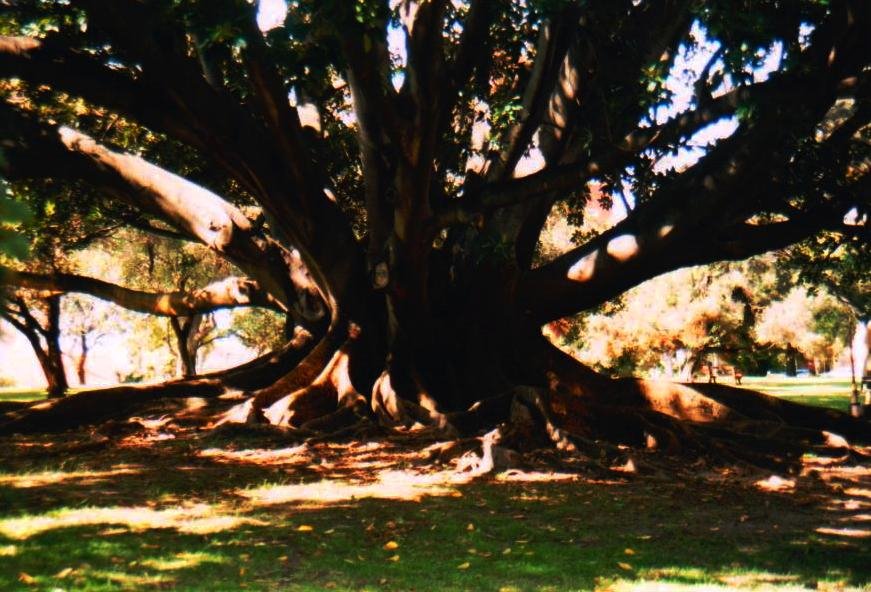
(694, 219)
(555, 39)
(227, 293)
(32, 150)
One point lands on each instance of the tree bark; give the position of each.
(82, 360)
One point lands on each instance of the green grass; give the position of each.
(833, 393)
(164, 517)
(18, 394)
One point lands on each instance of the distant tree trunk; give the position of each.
(44, 338)
(56, 375)
(82, 360)
(185, 330)
(791, 361)
(860, 345)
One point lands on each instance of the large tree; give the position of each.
(377, 193)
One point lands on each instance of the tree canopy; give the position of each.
(382, 172)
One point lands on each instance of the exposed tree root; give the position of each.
(588, 420)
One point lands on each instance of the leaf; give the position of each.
(305, 528)
(506, 551)
(464, 565)
(395, 558)
(623, 565)
(26, 578)
(470, 526)
(64, 572)
(629, 552)
(390, 545)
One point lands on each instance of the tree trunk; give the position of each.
(185, 331)
(82, 360)
(791, 361)
(55, 372)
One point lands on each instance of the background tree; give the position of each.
(402, 243)
(85, 321)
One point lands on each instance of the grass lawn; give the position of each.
(17, 394)
(153, 511)
(820, 392)
(175, 508)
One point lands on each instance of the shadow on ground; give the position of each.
(173, 509)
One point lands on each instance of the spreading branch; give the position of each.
(227, 293)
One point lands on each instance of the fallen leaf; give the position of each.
(305, 528)
(64, 572)
(464, 565)
(283, 559)
(629, 552)
(473, 551)
(470, 526)
(506, 551)
(394, 558)
(390, 545)
(26, 578)
(625, 566)
(330, 531)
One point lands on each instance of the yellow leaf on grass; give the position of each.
(625, 566)
(629, 552)
(64, 572)
(506, 551)
(26, 578)
(390, 545)
(394, 558)
(465, 565)
(305, 528)
(470, 526)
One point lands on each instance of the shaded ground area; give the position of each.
(151, 505)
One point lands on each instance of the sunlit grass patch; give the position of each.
(19, 394)
(396, 485)
(196, 519)
(832, 393)
(43, 478)
(184, 560)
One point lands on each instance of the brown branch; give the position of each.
(555, 39)
(36, 151)
(271, 97)
(227, 293)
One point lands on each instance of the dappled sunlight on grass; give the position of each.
(395, 485)
(517, 476)
(261, 456)
(181, 561)
(381, 515)
(43, 478)
(194, 519)
(853, 533)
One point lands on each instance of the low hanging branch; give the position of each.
(226, 293)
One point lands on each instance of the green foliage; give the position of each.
(13, 214)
